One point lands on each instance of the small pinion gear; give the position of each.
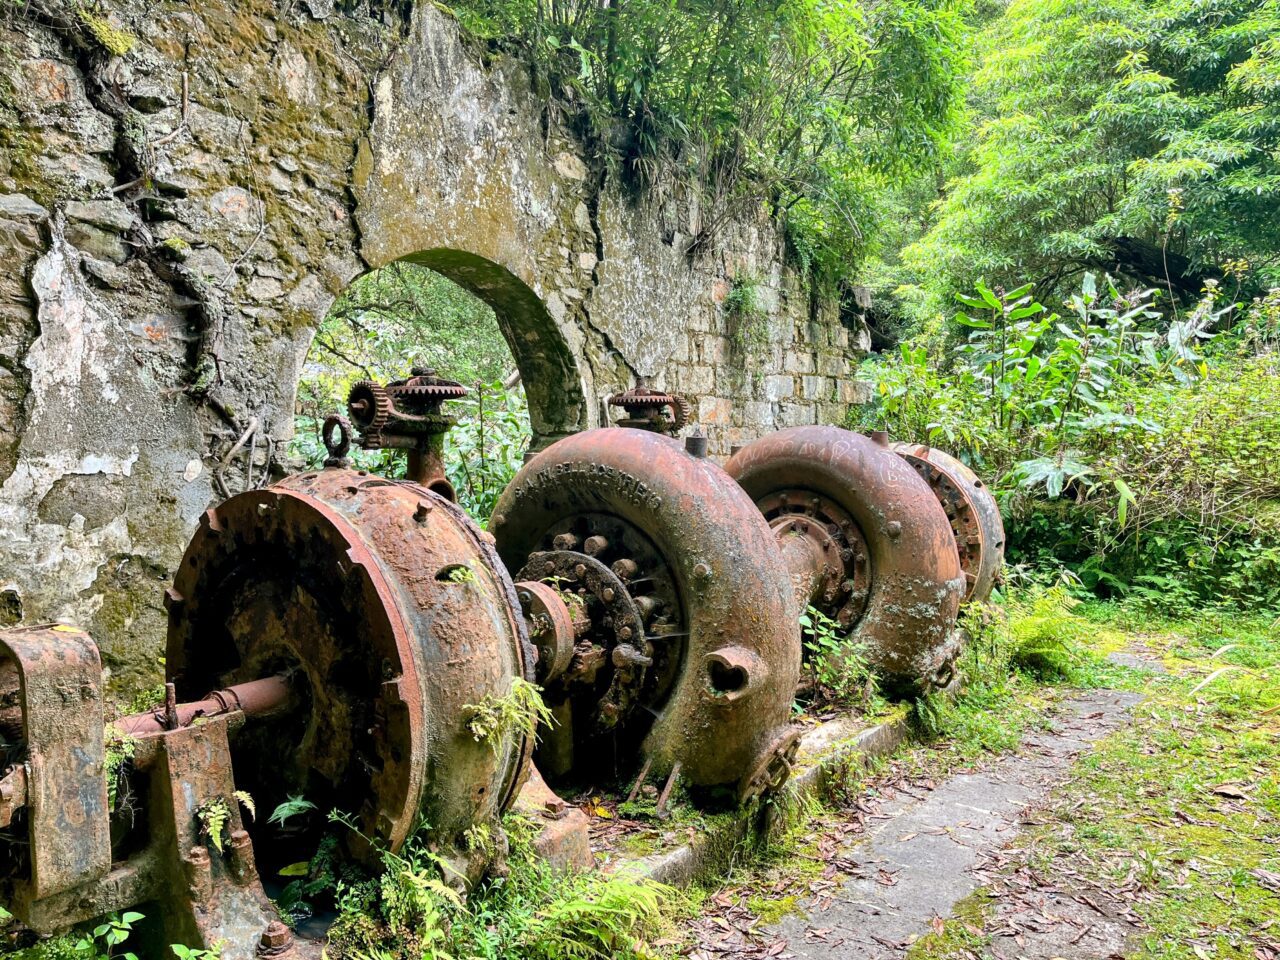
(369, 405)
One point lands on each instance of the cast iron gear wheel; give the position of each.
(369, 406)
(681, 413)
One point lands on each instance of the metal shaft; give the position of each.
(252, 698)
(806, 564)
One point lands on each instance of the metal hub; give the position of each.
(630, 643)
(843, 590)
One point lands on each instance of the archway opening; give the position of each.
(407, 315)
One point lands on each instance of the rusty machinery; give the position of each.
(684, 654)
(867, 542)
(350, 626)
(971, 510)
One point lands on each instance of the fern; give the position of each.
(214, 815)
(295, 806)
(520, 712)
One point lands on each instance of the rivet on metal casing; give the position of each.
(894, 529)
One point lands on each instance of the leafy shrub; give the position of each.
(533, 911)
(806, 109)
(1131, 135)
(1127, 445)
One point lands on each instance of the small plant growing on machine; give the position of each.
(519, 711)
(836, 671)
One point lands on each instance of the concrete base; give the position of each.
(827, 753)
(564, 839)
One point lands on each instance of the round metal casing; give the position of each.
(906, 629)
(388, 610)
(971, 510)
(729, 708)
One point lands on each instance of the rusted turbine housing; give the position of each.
(388, 610)
(971, 510)
(735, 594)
(906, 627)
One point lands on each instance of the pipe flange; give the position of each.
(773, 768)
(552, 628)
(853, 583)
(971, 510)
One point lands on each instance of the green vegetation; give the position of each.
(1175, 816)
(531, 911)
(112, 39)
(519, 712)
(1127, 136)
(1127, 445)
(809, 110)
(836, 671)
(215, 818)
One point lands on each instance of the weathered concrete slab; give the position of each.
(919, 851)
(825, 751)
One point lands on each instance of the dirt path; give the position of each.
(924, 851)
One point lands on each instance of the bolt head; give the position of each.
(276, 935)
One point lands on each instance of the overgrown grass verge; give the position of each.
(1024, 649)
(1177, 816)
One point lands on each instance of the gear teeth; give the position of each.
(376, 405)
(681, 413)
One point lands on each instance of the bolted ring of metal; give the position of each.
(971, 510)
(914, 583)
(391, 615)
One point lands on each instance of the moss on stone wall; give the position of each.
(111, 38)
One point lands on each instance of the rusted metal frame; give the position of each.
(60, 678)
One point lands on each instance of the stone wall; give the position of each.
(184, 188)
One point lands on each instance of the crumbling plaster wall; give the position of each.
(184, 188)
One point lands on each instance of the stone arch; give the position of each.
(547, 364)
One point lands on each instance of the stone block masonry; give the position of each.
(181, 200)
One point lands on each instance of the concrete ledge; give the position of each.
(828, 752)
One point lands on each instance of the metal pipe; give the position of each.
(805, 562)
(253, 698)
